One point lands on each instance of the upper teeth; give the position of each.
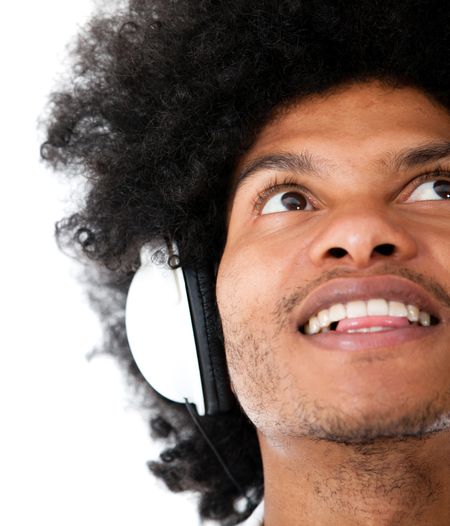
(360, 308)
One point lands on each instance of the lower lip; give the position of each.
(335, 341)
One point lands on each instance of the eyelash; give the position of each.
(276, 185)
(435, 174)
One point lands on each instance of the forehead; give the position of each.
(362, 120)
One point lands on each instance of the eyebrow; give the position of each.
(299, 163)
(304, 163)
(411, 157)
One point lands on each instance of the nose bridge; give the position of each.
(360, 234)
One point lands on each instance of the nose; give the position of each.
(360, 237)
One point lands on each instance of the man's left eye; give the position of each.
(286, 202)
(431, 191)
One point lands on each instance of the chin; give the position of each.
(418, 423)
(316, 422)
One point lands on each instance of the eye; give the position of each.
(286, 202)
(431, 191)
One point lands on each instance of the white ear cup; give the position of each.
(160, 332)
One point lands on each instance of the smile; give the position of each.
(373, 315)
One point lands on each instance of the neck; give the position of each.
(402, 482)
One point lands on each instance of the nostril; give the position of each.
(337, 252)
(387, 249)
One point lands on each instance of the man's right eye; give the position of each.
(286, 202)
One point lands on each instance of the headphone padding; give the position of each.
(207, 331)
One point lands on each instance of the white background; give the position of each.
(72, 449)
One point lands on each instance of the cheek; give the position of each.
(247, 293)
(239, 292)
(255, 275)
(441, 248)
(433, 238)
(247, 283)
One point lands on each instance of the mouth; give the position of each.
(364, 316)
(368, 312)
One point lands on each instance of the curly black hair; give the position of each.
(163, 98)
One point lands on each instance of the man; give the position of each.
(303, 149)
(355, 236)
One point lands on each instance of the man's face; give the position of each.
(353, 204)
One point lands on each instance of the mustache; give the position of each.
(289, 302)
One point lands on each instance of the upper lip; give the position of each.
(388, 287)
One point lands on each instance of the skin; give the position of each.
(346, 437)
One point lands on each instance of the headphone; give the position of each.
(174, 335)
(173, 331)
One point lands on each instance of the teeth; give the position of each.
(377, 308)
(356, 309)
(424, 318)
(397, 309)
(370, 329)
(413, 313)
(324, 318)
(337, 312)
(313, 326)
